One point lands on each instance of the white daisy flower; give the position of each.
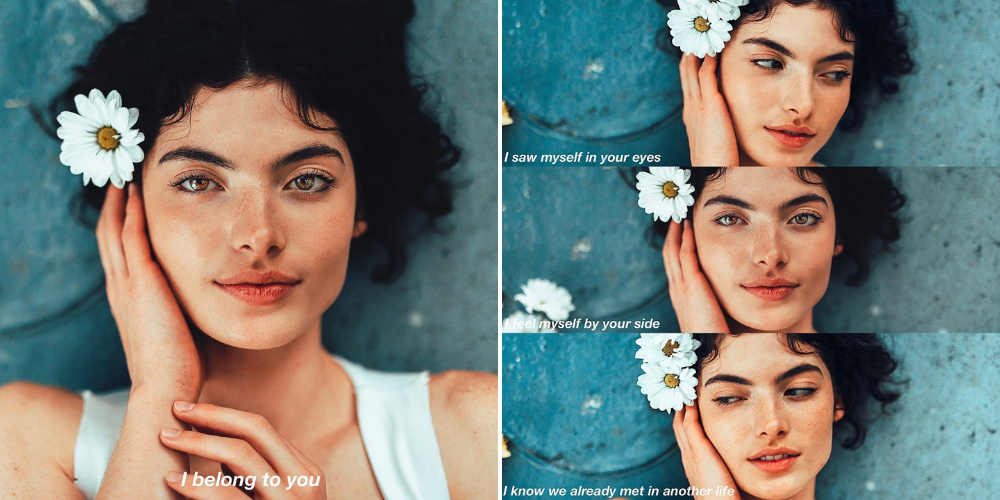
(99, 142)
(665, 192)
(696, 31)
(521, 322)
(727, 10)
(660, 347)
(546, 297)
(668, 386)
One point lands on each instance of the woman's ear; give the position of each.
(838, 409)
(838, 247)
(360, 223)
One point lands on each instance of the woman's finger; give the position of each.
(175, 480)
(109, 230)
(134, 239)
(671, 247)
(707, 83)
(689, 78)
(249, 427)
(687, 255)
(238, 454)
(679, 436)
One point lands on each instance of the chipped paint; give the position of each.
(581, 249)
(591, 405)
(16, 103)
(415, 319)
(91, 10)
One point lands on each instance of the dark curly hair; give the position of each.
(859, 363)
(876, 28)
(344, 59)
(865, 201)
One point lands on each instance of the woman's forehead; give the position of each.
(762, 184)
(809, 30)
(759, 357)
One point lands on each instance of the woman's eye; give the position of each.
(768, 63)
(727, 220)
(726, 400)
(800, 393)
(838, 76)
(309, 183)
(805, 219)
(196, 184)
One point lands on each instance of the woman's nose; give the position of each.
(798, 98)
(254, 228)
(768, 249)
(770, 420)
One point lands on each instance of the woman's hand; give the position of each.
(691, 295)
(246, 444)
(703, 466)
(159, 348)
(710, 132)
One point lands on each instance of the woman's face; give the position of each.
(251, 215)
(760, 399)
(766, 242)
(786, 80)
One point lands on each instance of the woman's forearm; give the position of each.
(139, 462)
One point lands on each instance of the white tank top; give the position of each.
(394, 415)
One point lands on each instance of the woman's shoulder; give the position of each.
(464, 410)
(38, 425)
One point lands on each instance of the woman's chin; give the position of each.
(775, 158)
(252, 334)
(773, 321)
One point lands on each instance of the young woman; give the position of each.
(276, 135)
(769, 406)
(767, 241)
(792, 71)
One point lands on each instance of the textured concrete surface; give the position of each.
(55, 326)
(575, 417)
(942, 276)
(585, 75)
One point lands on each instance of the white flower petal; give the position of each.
(80, 150)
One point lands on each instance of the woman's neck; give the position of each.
(807, 493)
(289, 385)
(804, 325)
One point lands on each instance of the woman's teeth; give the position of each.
(772, 458)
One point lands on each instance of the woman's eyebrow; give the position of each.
(307, 153)
(771, 44)
(728, 200)
(733, 379)
(802, 200)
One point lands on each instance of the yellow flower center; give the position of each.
(669, 347)
(107, 138)
(671, 380)
(670, 190)
(701, 24)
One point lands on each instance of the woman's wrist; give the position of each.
(163, 391)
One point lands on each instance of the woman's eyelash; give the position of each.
(328, 182)
(772, 64)
(811, 219)
(720, 220)
(725, 400)
(842, 75)
(801, 392)
(179, 184)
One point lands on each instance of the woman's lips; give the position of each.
(259, 295)
(790, 139)
(775, 466)
(771, 293)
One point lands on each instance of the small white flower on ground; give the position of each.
(521, 322)
(696, 31)
(668, 386)
(661, 347)
(546, 297)
(665, 193)
(99, 142)
(727, 10)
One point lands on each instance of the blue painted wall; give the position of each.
(55, 326)
(942, 276)
(575, 417)
(585, 75)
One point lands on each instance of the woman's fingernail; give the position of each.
(183, 406)
(174, 476)
(170, 432)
